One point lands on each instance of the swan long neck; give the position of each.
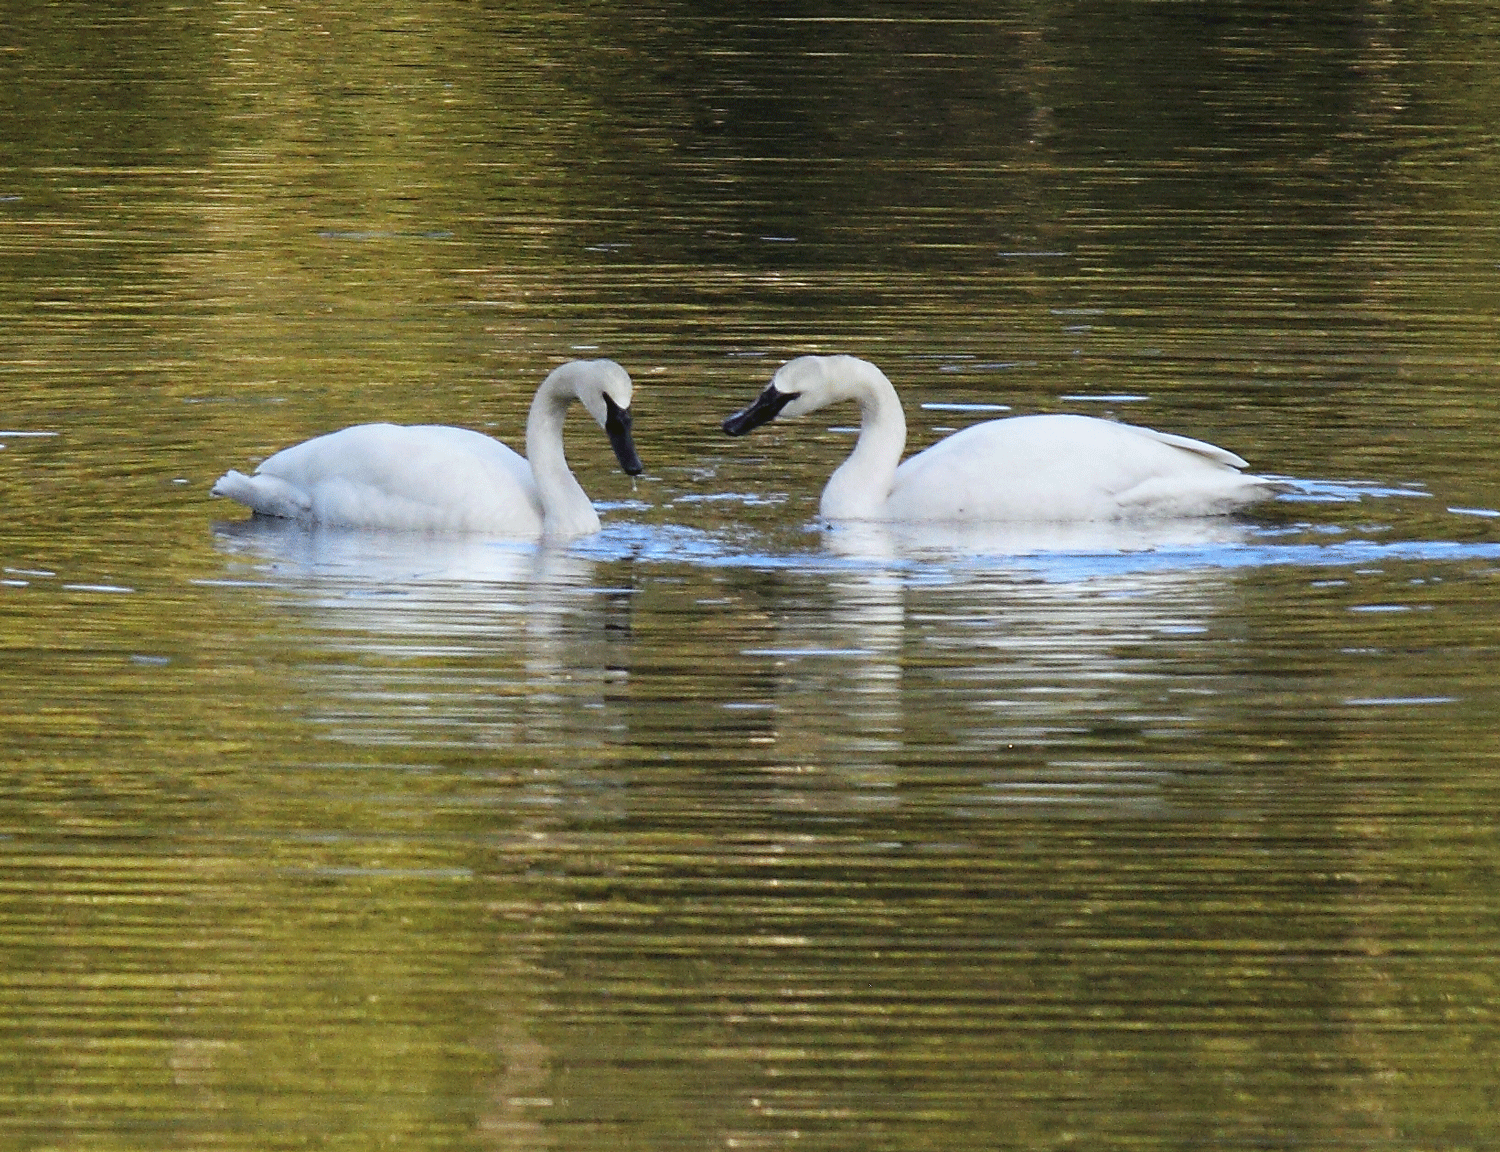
(859, 488)
(566, 508)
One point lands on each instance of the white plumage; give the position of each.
(1024, 468)
(435, 478)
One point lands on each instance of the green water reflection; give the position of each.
(715, 831)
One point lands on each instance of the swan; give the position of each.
(1019, 469)
(435, 478)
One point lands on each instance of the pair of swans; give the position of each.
(1024, 469)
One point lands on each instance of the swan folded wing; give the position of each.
(1069, 468)
(1188, 444)
(420, 477)
(1218, 486)
(1025, 468)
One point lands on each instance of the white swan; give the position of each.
(1024, 468)
(436, 478)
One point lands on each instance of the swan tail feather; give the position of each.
(267, 495)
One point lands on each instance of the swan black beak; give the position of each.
(767, 407)
(617, 426)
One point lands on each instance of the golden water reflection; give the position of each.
(989, 835)
(720, 829)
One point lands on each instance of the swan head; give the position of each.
(604, 389)
(804, 385)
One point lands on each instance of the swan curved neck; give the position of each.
(858, 489)
(566, 508)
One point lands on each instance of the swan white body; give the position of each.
(435, 478)
(1020, 469)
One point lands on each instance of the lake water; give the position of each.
(718, 829)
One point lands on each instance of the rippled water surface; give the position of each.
(721, 829)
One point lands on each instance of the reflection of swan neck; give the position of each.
(859, 488)
(566, 508)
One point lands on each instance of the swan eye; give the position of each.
(614, 414)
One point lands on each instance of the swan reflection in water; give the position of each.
(454, 646)
(992, 543)
(989, 656)
(898, 651)
(439, 640)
